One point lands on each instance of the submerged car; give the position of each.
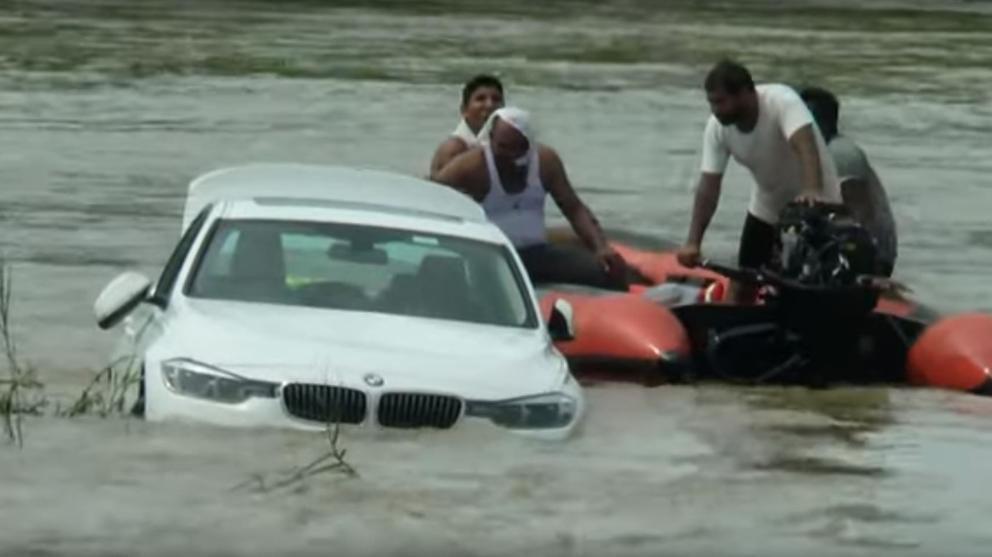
(307, 295)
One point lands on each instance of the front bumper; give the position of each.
(314, 407)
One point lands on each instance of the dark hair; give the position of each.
(825, 108)
(730, 77)
(481, 80)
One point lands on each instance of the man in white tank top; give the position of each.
(481, 96)
(767, 129)
(511, 174)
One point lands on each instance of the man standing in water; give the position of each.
(481, 95)
(768, 129)
(511, 174)
(860, 187)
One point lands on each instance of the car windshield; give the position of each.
(362, 268)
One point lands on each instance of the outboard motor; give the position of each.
(817, 299)
(822, 245)
(823, 295)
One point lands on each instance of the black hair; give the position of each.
(730, 77)
(481, 80)
(825, 108)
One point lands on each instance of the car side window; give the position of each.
(163, 289)
(225, 242)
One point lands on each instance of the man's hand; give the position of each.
(809, 198)
(689, 255)
(612, 263)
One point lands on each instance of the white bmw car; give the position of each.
(305, 295)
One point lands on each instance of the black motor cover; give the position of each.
(822, 245)
(824, 251)
(817, 309)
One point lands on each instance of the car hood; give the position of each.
(281, 343)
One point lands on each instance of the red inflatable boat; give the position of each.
(679, 328)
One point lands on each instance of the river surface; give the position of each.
(109, 108)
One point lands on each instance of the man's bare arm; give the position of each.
(704, 206)
(568, 201)
(466, 173)
(803, 142)
(446, 151)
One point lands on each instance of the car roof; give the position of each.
(308, 210)
(330, 185)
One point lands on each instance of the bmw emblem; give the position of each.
(373, 380)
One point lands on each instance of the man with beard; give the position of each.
(769, 130)
(510, 174)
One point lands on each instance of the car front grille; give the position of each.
(409, 410)
(324, 403)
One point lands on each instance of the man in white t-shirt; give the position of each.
(769, 130)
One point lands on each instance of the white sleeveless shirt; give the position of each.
(521, 215)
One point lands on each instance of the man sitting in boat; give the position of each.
(860, 187)
(511, 174)
(768, 129)
(481, 95)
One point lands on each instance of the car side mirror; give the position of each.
(561, 323)
(119, 298)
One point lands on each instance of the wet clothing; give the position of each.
(872, 206)
(550, 264)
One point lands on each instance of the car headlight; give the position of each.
(551, 410)
(197, 380)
